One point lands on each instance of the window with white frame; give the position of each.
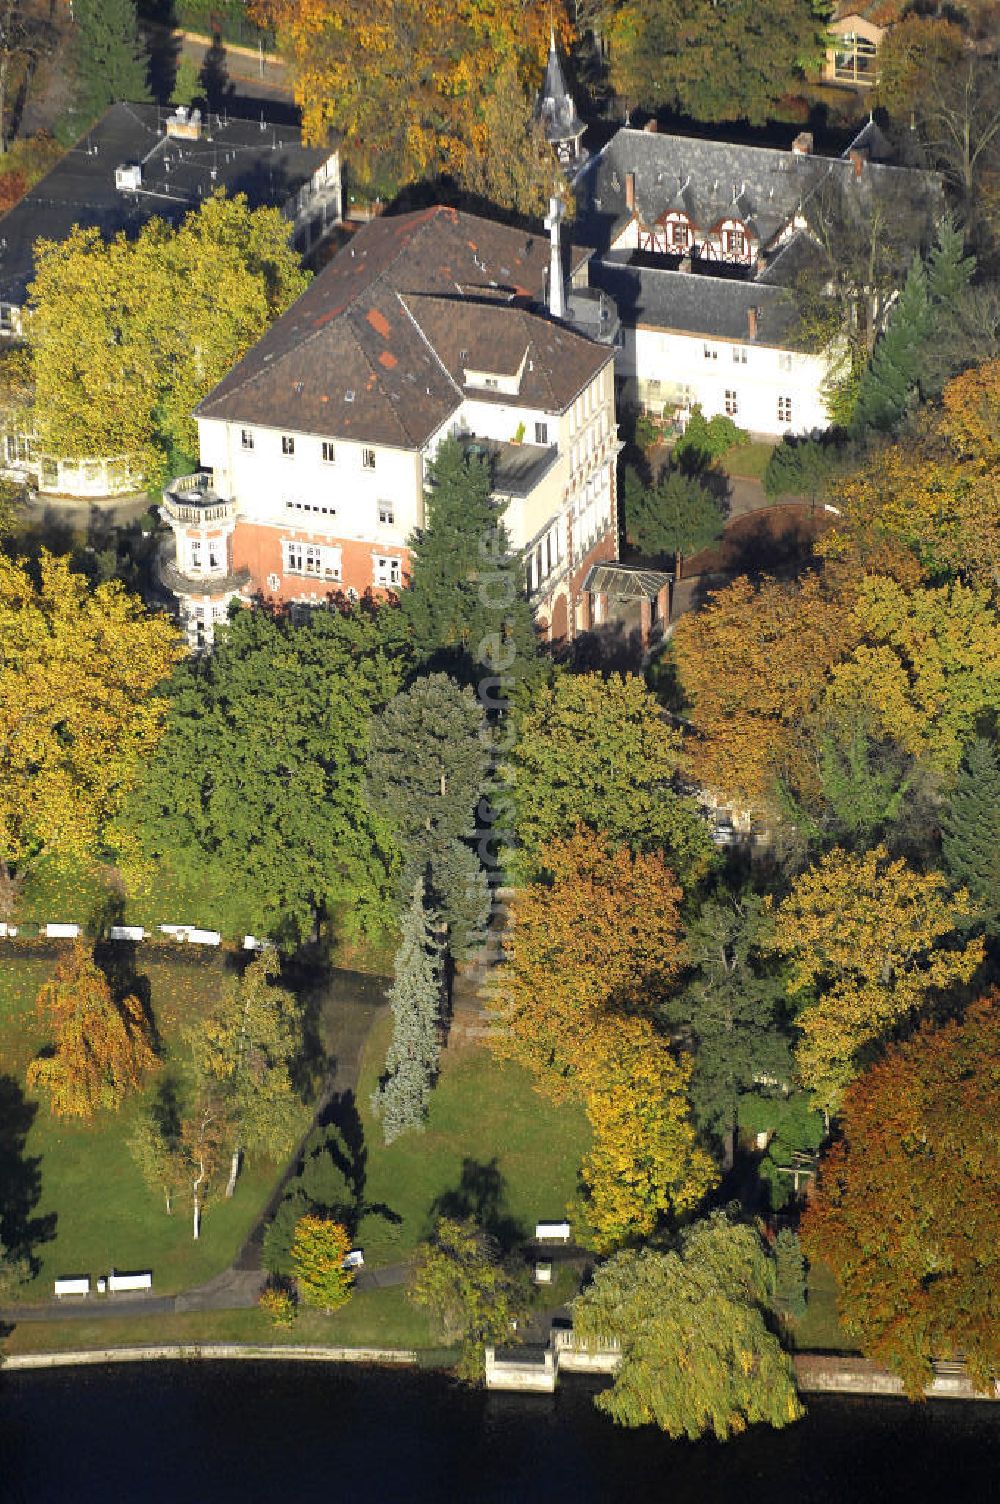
(678, 233)
(313, 559)
(732, 404)
(541, 433)
(17, 448)
(368, 459)
(387, 569)
(785, 360)
(246, 438)
(739, 355)
(734, 242)
(329, 452)
(710, 354)
(386, 513)
(194, 553)
(287, 444)
(784, 409)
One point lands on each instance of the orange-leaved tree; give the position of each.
(868, 940)
(319, 1249)
(404, 80)
(752, 664)
(600, 932)
(592, 947)
(103, 1045)
(906, 1211)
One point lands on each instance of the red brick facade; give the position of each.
(257, 547)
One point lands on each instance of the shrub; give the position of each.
(706, 440)
(277, 1301)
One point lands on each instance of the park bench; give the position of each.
(552, 1232)
(354, 1259)
(119, 1283)
(75, 1284)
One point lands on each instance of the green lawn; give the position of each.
(748, 460)
(102, 1212)
(492, 1147)
(372, 1318)
(819, 1330)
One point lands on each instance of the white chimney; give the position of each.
(557, 291)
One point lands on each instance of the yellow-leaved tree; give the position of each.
(404, 81)
(868, 940)
(102, 1044)
(591, 948)
(926, 666)
(127, 336)
(78, 716)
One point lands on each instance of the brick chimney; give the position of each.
(751, 323)
(859, 156)
(803, 144)
(630, 192)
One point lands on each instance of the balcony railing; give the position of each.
(213, 583)
(192, 498)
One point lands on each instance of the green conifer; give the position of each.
(415, 997)
(110, 58)
(970, 829)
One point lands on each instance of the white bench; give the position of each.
(552, 1232)
(62, 931)
(127, 932)
(72, 1285)
(118, 1283)
(204, 937)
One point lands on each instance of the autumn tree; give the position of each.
(599, 931)
(697, 1353)
(247, 1046)
(102, 1045)
(319, 1249)
(677, 515)
(279, 813)
(752, 663)
(869, 941)
(427, 771)
(949, 92)
(78, 713)
(926, 668)
(592, 946)
(473, 1295)
(415, 999)
(906, 1207)
(726, 62)
(595, 750)
(404, 80)
(513, 165)
(127, 336)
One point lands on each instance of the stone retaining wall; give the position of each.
(211, 1350)
(817, 1373)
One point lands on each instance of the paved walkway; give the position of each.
(352, 1003)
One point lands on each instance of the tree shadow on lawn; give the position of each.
(481, 1193)
(350, 1154)
(20, 1177)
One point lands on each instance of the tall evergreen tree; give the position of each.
(427, 771)
(970, 829)
(110, 58)
(466, 605)
(678, 515)
(930, 295)
(415, 997)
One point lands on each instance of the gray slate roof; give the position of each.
(710, 178)
(555, 107)
(717, 307)
(268, 164)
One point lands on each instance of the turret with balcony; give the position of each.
(196, 565)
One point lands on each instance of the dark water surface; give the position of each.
(199, 1433)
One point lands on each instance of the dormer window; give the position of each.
(679, 234)
(734, 241)
(491, 383)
